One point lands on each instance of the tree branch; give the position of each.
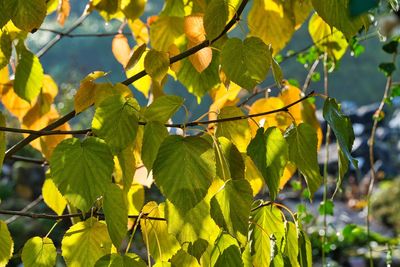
(128, 81)
(78, 35)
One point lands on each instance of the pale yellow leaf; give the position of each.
(288, 173)
(135, 201)
(63, 10)
(194, 29)
(222, 97)
(52, 197)
(140, 31)
(121, 49)
(201, 59)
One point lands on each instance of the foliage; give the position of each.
(208, 171)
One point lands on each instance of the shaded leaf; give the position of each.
(156, 64)
(28, 15)
(116, 260)
(154, 134)
(226, 252)
(215, 18)
(5, 48)
(182, 258)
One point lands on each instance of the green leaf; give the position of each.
(215, 18)
(196, 223)
(226, 252)
(277, 72)
(163, 108)
(238, 132)
(264, 222)
(387, 68)
(246, 63)
(82, 170)
(337, 14)
(28, 15)
(292, 245)
(137, 54)
(302, 140)
(85, 242)
(182, 258)
(326, 208)
(174, 8)
(269, 151)
(305, 250)
(156, 64)
(28, 75)
(198, 248)
(232, 161)
(154, 134)
(391, 47)
(190, 159)
(7, 244)
(199, 83)
(116, 212)
(358, 7)
(133, 9)
(5, 48)
(127, 163)
(3, 144)
(39, 252)
(341, 127)
(116, 260)
(161, 244)
(116, 121)
(166, 31)
(230, 208)
(5, 12)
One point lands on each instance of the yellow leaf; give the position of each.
(289, 95)
(121, 49)
(173, 51)
(12, 102)
(63, 11)
(85, 95)
(222, 97)
(327, 38)
(166, 31)
(288, 173)
(52, 197)
(140, 31)
(253, 175)
(105, 90)
(279, 119)
(308, 114)
(271, 21)
(49, 142)
(194, 29)
(85, 242)
(135, 201)
(143, 84)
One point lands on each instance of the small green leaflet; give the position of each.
(154, 134)
(116, 121)
(39, 251)
(184, 169)
(82, 170)
(215, 18)
(156, 64)
(302, 141)
(28, 75)
(116, 260)
(246, 63)
(163, 108)
(226, 252)
(116, 213)
(269, 151)
(341, 127)
(230, 208)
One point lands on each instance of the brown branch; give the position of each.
(28, 207)
(67, 216)
(79, 35)
(41, 132)
(128, 81)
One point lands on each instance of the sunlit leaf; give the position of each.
(108, 9)
(292, 246)
(163, 108)
(140, 31)
(154, 134)
(226, 252)
(28, 75)
(288, 173)
(201, 59)
(337, 14)
(223, 96)
(327, 38)
(7, 244)
(52, 196)
(289, 95)
(156, 64)
(192, 159)
(85, 95)
(121, 49)
(194, 29)
(116, 121)
(85, 242)
(82, 170)
(230, 208)
(238, 132)
(302, 140)
(253, 175)
(116, 212)
(103, 91)
(136, 55)
(63, 11)
(39, 252)
(135, 201)
(116, 260)
(133, 9)
(246, 63)
(166, 31)
(125, 167)
(308, 115)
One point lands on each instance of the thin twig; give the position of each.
(256, 93)
(309, 75)
(59, 36)
(27, 159)
(41, 132)
(81, 35)
(372, 159)
(25, 209)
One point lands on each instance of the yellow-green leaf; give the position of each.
(116, 260)
(52, 197)
(116, 212)
(28, 75)
(156, 64)
(215, 18)
(5, 48)
(163, 108)
(246, 63)
(133, 9)
(327, 38)
(226, 252)
(7, 244)
(85, 242)
(82, 170)
(2, 139)
(39, 252)
(154, 134)
(238, 132)
(162, 245)
(116, 121)
(166, 31)
(182, 258)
